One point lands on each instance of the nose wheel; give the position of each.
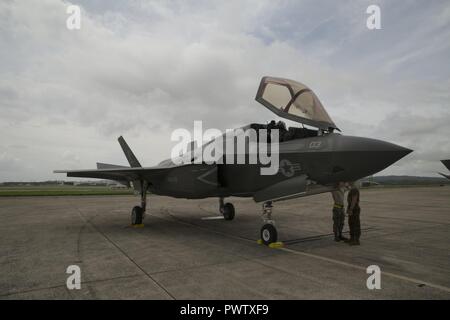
(268, 232)
(226, 209)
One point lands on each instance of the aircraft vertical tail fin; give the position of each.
(132, 160)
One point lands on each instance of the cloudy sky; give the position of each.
(144, 68)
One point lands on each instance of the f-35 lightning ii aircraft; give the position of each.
(446, 163)
(311, 161)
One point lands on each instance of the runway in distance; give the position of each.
(311, 161)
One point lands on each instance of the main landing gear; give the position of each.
(268, 232)
(138, 213)
(227, 209)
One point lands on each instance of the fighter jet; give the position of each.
(311, 161)
(446, 163)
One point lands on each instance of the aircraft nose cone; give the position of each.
(360, 157)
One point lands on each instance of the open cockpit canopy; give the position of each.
(294, 101)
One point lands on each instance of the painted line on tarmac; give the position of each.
(94, 227)
(342, 263)
(321, 236)
(213, 218)
(310, 255)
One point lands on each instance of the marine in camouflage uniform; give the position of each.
(353, 211)
(338, 212)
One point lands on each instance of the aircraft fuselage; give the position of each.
(324, 160)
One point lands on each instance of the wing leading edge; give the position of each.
(149, 174)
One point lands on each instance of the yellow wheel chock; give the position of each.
(141, 225)
(273, 245)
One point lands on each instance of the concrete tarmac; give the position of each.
(179, 255)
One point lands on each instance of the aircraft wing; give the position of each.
(282, 190)
(122, 174)
(290, 189)
(149, 174)
(446, 163)
(444, 175)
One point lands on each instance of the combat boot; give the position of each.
(336, 236)
(341, 237)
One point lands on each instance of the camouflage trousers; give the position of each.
(338, 221)
(354, 224)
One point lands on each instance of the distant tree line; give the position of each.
(53, 183)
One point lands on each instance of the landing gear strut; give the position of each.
(226, 209)
(138, 213)
(268, 233)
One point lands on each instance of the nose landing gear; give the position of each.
(268, 232)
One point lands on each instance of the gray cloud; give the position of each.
(144, 68)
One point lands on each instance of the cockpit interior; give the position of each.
(285, 133)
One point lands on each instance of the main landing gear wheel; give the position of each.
(137, 215)
(228, 211)
(268, 234)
